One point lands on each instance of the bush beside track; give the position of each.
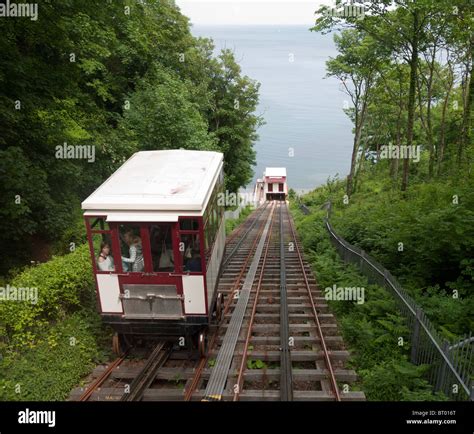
(47, 347)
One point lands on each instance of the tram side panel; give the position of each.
(214, 264)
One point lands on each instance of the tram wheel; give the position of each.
(120, 344)
(116, 345)
(202, 344)
(219, 307)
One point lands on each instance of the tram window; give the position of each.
(131, 248)
(205, 217)
(211, 225)
(190, 251)
(189, 224)
(208, 237)
(216, 221)
(215, 211)
(212, 217)
(207, 233)
(98, 224)
(161, 247)
(210, 229)
(104, 258)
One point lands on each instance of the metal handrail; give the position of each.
(417, 313)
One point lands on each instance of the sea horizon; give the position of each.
(305, 127)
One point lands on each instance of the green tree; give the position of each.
(356, 68)
(232, 118)
(162, 116)
(122, 77)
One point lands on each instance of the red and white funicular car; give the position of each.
(157, 237)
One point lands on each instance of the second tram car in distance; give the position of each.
(156, 234)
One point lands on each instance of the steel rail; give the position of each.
(100, 380)
(247, 223)
(243, 269)
(202, 364)
(219, 375)
(146, 376)
(286, 377)
(248, 336)
(238, 244)
(332, 377)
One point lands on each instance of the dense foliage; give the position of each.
(407, 68)
(49, 370)
(424, 239)
(409, 198)
(48, 344)
(371, 329)
(122, 77)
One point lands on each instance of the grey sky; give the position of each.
(251, 12)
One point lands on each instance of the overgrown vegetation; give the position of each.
(231, 224)
(406, 67)
(49, 342)
(55, 363)
(122, 77)
(408, 200)
(421, 236)
(371, 329)
(119, 78)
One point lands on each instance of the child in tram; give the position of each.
(134, 243)
(105, 261)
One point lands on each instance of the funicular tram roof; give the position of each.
(170, 183)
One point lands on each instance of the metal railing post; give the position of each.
(442, 369)
(415, 338)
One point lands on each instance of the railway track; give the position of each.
(277, 339)
(287, 347)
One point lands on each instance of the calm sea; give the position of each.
(301, 107)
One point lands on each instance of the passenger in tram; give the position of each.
(194, 264)
(155, 246)
(134, 243)
(166, 262)
(105, 261)
(161, 247)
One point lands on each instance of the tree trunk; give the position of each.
(442, 133)
(467, 99)
(411, 97)
(431, 145)
(350, 177)
(359, 121)
(394, 161)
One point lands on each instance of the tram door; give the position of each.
(151, 285)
